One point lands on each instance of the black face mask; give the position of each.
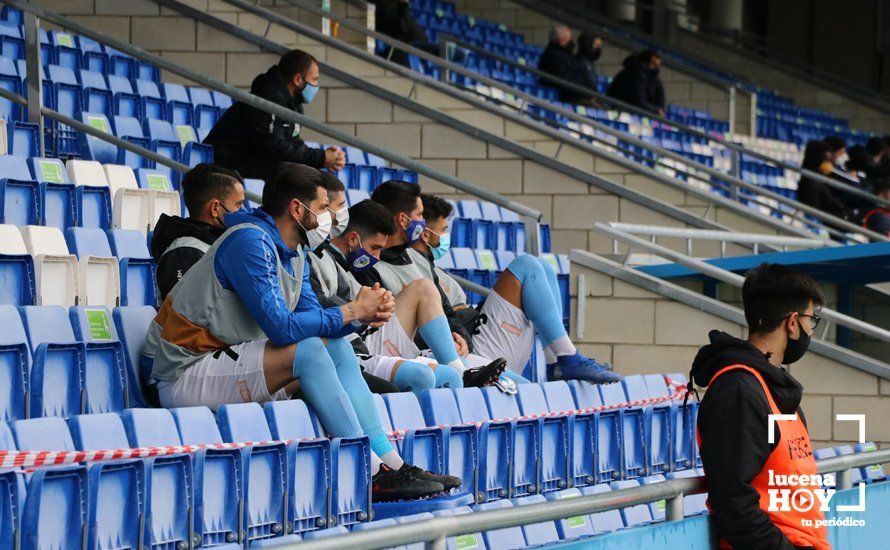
(796, 348)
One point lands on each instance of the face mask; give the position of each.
(315, 237)
(825, 167)
(841, 160)
(415, 230)
(342, 222)
(309, 91)
(360, 259)
(442, 248)
(796, 348)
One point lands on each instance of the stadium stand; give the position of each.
(78, 293)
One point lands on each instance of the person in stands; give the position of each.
(256, 143)
(878, 219)
(816, 158)
(245, 325)
(747, 382)
(590, 47)
(638, 83)
(855, 206)
(394, 18)
(558, 59)
(879, 159)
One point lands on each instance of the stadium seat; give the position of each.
(15, 362)
(350, 481)
(632, 516)
(501, 539)
(56, 384)
(526, 444)
(537, 534)
(495, 448)
(606, 521)
(105, 368)
(17, 275)
(555, 463)
(22, 139)
(19, 192)
(265, 471)
(657, 426)
(92, 196)
(131, 205)
(168, 479)
(136, 267)
(132, 325)
(218, 479)
(115, 498)
(309, 463)
(57, 196)
(55, 509)
(12, 496)
(607, 440)
(98, 269)
(874, 472)
(582, 430)
(461, 440)
(420, 446)
(657, 508)
(125, 103)
(179, 105)
(574, 527)
(57, 275)
(632, 434)
(693, 505)
(92, 147)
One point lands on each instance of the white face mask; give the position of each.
(319, 234)
(342, 222)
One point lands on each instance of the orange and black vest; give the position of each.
(793, 455)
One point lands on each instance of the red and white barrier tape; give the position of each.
(27, 459)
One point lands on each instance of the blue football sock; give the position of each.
(317, 374)
(350, 375)
(437, 335)
(447, 377)
(552, 280)
(537, 298)
(414, 377)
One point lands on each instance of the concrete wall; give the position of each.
(641, 333)
(571, 206)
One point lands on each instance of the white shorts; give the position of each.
(382, 366)
(392, 340)
(216, 379)
(507, 333)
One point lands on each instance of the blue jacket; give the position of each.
(245, 264)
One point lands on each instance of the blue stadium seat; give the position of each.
(125, 102)
(685, 448)
(366, 178)
(537, 534)
(355, 155)
(607, 440)
(129, 129)
(470, 540)
(115, 498)
(96, 96)
(10, 81)
(657, 425)
(132, 325)
(105, 368)
(12, 497)
(194, 153)
(136, 267)
(874, 472)
(501, 539)
(57, 200)
(632, 434)
(87, 241)
(67, 98)
(179, 105)
(633, 516)
(15, 361)
(355, 196)
(265, 470)
(325, 533)
(94, 56)
(350, 481)
(574, 527)
(855, 473)
(92, 148)
(657, 508)
(168, 479)
(221, 100)
(607, 521)
(526, 444)
(420, 446)
(93, 206)
(57, 387)
(494, 444)
(461, 440)
(218, 479)
(19, 192)
(555, 459)
(120, 64)
(308, 454)
(16, 270)
(255, 186)
(693, 505)
(582, 427)
(55, 510)
(152, 105)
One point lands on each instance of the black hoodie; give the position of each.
(173, 265)
(637, 85)
(732, 422)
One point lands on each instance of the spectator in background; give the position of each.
(638, 83)
(558, 60)
(256, 143)
(590, 47)
(878, 162)
(878, 220)
(837, 152)
(816, 158)
(394, 18)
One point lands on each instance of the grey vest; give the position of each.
(333, 279)
(396, 277)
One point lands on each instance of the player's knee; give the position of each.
(448, 377)
(308, 351)
(546, 266)
(339, 346)
(414, 377)
(424, 288)
(525, 265)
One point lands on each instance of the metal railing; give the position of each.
(732, 279)
(435, 532)
(530, 216)
(731, 184)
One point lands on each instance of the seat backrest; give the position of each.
(656, 385)
(199, 96)
(586, 394)
(11, 242)
(92, 79)
(42, 434)
(385, 421)
(7, 440)
(128, 243)
(537, 534)
(61, 75)
(612, 394)
(440, 407)
(147, 88)
(635, 387)
(175, 92)
(470, 209)
(86, 172)
(150, 427)
(44, 240)
(471, 405)
(13, 332)
(15, 168)
(500, 404)
(464, 258)
(289, 419)
(92, 324)
(559, 396)
(120, 177)
(196, 425)
(94, 432)
(531, 399)
(46, 325)
(132, 324)
(242, 422)
(150, 178)
(87, 241)
(404, 411)
(128, 126)
(119, 84)
(48, 170)
(509, 537)
(160, 129)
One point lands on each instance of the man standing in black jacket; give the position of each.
(747, 383)
(558, 59)
(638, 83)
(256, 143)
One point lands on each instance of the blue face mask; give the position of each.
(360, 259)
(442, 248)
(415, 230)
(309, 91)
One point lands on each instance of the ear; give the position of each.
(792, 323)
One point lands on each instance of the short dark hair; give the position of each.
(369, 218)
(875, 146)
(206, 182)
(772, 291)
(814, 154)
(293, 181)
(295, 62)
(835, 143)
(397, 196)
(331, 183)
(647, 55)
(435, 207)
(881, 185)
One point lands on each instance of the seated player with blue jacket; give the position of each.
(244, 325)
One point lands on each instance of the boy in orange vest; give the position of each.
(746, 384)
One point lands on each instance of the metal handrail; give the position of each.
(279, 111)
(730, 278)
(435, 532)
(530, 99)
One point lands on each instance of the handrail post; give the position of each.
(34, 67)
(438, 543)
(532, 236)
(674, 508)
(732, 101)
(736, 171)
(371, 24)
(753, 114)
